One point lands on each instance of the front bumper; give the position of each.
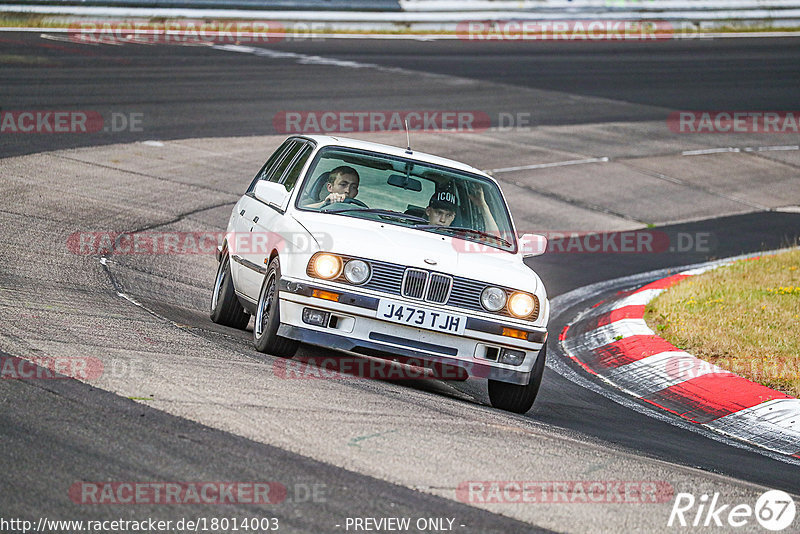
(358, 330)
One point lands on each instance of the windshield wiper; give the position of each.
(463, 230)
(390, 213)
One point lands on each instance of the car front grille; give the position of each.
(439, 288)
(426, 285)
(414, 283)
(431, 286)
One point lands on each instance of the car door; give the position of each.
(266, 224)
(242, 223)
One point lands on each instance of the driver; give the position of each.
(342, 183)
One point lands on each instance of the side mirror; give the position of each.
(532, 245)
(271, 193)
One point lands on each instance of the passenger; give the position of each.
(442, 207)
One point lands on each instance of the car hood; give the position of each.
(417, 248)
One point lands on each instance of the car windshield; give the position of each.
(405, 192)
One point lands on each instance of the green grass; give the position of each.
(744, 317)
(25, 20)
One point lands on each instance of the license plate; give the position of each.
(402, 313)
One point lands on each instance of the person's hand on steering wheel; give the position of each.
(334, 198)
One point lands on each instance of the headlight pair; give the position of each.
(329, 266)
(519, 304)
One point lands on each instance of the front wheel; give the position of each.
(267, 320)
(514, 397)
(225, 307)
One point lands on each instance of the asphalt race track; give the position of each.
(183, 399)
(199, 92)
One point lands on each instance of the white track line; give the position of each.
(549, 165)
(743, 149)
(605, 159)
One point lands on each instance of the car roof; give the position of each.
(329, 140)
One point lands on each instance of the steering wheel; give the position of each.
(354, 201)
(347, 201)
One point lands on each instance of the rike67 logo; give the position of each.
(774, 510)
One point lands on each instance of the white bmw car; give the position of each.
(389, 253)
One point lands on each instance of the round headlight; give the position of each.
(327, 266)
(520, 304)
(356, 271)
(493, 299)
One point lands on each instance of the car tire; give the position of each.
(225, 307)
(514, 397)
(267, 318)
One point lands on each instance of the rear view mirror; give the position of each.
(532, 245)
(406, 182)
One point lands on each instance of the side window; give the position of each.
(275, 173)
(294, 171)
(264, 173)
